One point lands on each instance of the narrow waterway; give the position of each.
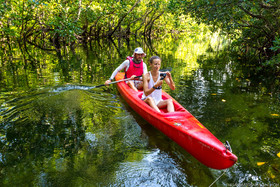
(56, 130)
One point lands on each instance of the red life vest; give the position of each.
(134, 69)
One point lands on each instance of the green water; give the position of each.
(55, 130)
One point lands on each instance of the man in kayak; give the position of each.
(152, 88)
(134, 66)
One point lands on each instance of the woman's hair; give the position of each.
(153, 58)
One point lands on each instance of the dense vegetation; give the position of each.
(47, 24)
(253, 26)
(40, 123)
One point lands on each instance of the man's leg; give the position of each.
(140, 85)
(131, 85)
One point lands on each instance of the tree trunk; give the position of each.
(122, 18)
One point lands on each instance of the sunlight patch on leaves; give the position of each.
(260, 163)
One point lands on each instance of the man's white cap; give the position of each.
(139, 50)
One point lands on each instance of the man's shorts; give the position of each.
(136, 83)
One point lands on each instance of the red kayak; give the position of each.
(182, 127)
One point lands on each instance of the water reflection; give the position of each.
(233, 109)
(56, 129)
(48, 126)
(166, 154)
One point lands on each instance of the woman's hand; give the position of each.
(158, 83)
(169, 80)
(168, 74)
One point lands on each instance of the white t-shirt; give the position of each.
(125, 64)
(156, 94)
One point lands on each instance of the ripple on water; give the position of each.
(156, 168)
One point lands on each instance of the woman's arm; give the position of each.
(146, 78)
(168, 79)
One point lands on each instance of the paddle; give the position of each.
(115, 82)
(162, 70)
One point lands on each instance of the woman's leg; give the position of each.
(166, 103)
(150, 101)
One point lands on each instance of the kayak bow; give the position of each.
(182, 127)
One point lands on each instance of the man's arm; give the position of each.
(121, 67)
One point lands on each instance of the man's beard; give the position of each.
(136, 61)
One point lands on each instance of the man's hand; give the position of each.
(107, 82)
(132, 77)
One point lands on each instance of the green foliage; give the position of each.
(274, 63)
(48, 24)
(276, 45)
(255, 24)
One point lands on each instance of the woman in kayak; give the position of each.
(152, 88)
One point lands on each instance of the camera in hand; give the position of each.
(162, 76)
